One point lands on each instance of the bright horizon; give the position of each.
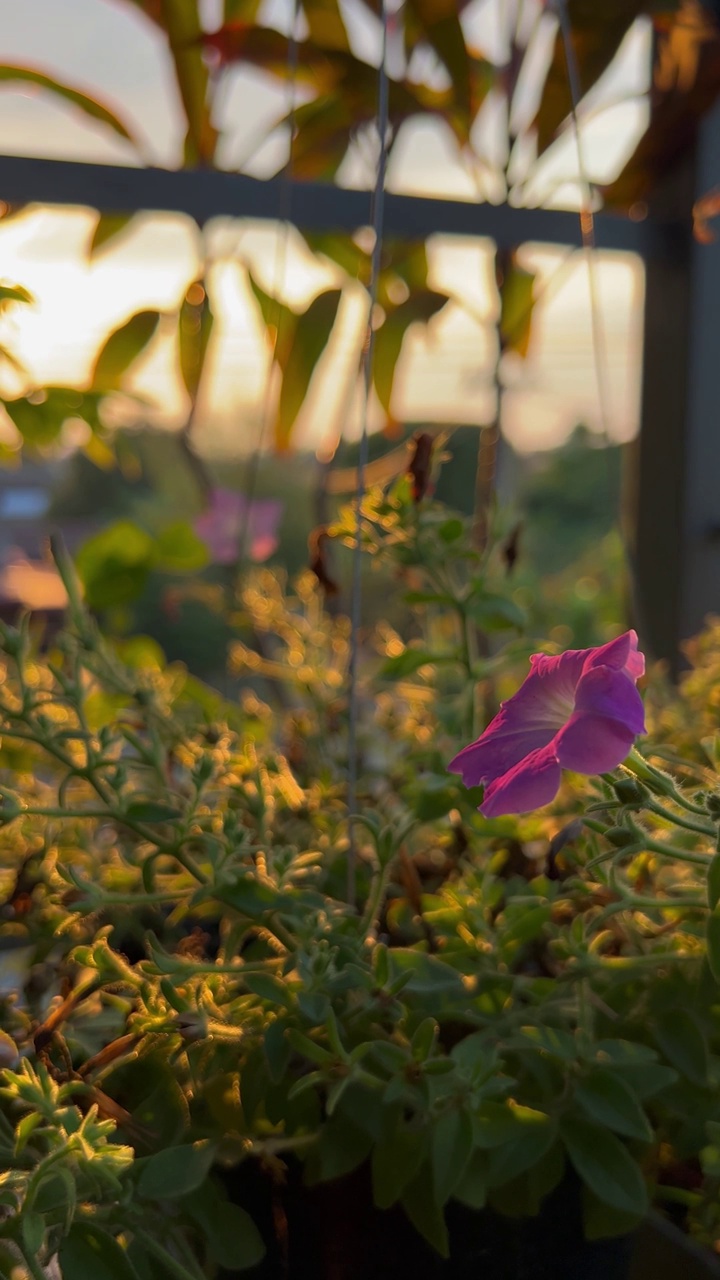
(443, 377)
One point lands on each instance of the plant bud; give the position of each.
(621, 837)
(631, 791)
(712, 804)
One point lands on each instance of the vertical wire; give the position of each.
(587, 229)
(377, 217)
(278, 276)
(587, 225)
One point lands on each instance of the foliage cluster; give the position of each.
(192, 987)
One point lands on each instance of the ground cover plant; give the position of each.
(198, 1000)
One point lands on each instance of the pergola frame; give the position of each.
(674, 512)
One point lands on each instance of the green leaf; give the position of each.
(683, 1043)
(176, 1171)
(10, 74)
(596, 36)
(712, 935)
(277, 1049)
(553, 1040)
(452, 1142)
(527, 924)
(88, 1251)
(451, 530)
(181, 22)
(33, 1232)
(41, 416)
(428, 977)
(107, 228)
(341, 249)
(516, 309)
(607, 1098)
(424, 1039)
(151, 811)
(195, 326)
(495, 1124)
(179, 550)
(394, 1163)
(494, 612)
(713, 882)
(439, 23)
(535, 1133)
(25, 1129)
(252, 897)
(123, 347)
(389, 338)
(605, 1165)
(601, 1221)
(114, 565)
(325, 23)
(309, 1048)
(269, 988)
(342, 1147)
(427, 1218)
(57, 1190)
(406, 663)
(472, 1188)
(312, 332)
(649, 1080)
(228, 1231)
(10, 293)
(322, 137)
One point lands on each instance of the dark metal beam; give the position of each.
(675, 503)
(205, 194)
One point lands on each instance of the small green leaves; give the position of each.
(87, 1251)
(605, 1165)
(114, 565)
(606, 1098)
(712, 934)
(228, 1230)
(108, 228)
(176, 1171)
(395, 1162)
(679, 1036)
(122, 348)
(452, 1143)
(90, 107)
(421, 1207)
(713, 882)
(150, 811)
(408, 662)
(516, 308)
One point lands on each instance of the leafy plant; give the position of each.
(206, 1024)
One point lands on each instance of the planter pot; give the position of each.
(334, 1232)
(661, 1252)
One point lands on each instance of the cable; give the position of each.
(377, 216)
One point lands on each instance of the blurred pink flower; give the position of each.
(230, 517)
(578, 711)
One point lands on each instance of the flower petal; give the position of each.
(525, 723)
(593, 744)
(532, 783)
(604, 692)
(608, 716)
(621, 654)
(500, 748)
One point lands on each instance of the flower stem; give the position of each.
(702, 828)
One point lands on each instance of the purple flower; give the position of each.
(579, 711)
(231, 518)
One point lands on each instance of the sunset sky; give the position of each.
(109, 49)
